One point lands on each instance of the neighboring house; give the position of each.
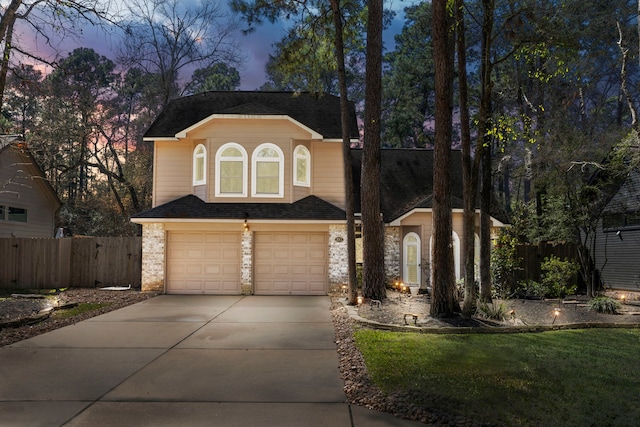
(28, 204)
(248, 198)
(617, 244)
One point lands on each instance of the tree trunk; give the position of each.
(346, 154)
(443, 299)
(484, 144)
(373, 285)
(470, 183)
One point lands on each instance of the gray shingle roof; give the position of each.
(320, 113)
(192, 207)
(406, 181)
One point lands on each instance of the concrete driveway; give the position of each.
(178, 360)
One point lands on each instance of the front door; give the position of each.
(411, 261)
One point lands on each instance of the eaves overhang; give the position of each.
(183, 133)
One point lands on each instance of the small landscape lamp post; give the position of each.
(556, 313)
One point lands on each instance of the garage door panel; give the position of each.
(299, 254)
(203, 262)
(281, 270)
(317, 255)
(317, 287)
(318, 239)
(281, 238)
(300, 239)
(290, 263)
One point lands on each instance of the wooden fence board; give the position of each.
(70, 262)
(532, 256)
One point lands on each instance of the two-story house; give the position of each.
(248, 198)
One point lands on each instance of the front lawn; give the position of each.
(560, 378)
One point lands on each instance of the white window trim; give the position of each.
(301, 152)
(254, 174)
(245, 169)
(203, 181)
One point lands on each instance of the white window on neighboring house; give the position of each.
(231, 171)
(267, 166)
(302, 166)
(200, 165)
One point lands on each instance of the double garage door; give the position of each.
(285, 263)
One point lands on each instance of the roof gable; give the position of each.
(11, 145)
(318, 113)
(627, 197)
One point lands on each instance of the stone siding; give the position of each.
(153, 261)
(246, 269)
(392, 243)
(338, 258)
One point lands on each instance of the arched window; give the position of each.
(200, 165)
(412, 259)
(231, 171)
(267, 166)
(302, 166)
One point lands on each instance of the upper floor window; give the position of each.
(267, 165)
(231, 171)
(302, 166)
(199, 165)
(614, 221)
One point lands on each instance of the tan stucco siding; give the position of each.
(328, 172)
(172, 171)
(25, 190)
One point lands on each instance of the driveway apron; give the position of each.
(185, 360)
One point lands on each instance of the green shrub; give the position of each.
(504, 264)
(493, 310)
(556, 275)
(532, 288)
(604, 304)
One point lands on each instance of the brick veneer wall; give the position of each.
(153, 262)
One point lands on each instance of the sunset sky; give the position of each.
(255, 47)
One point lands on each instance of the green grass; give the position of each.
(559, 378)
(78, 309)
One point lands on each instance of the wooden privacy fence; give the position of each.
(70, 262)
(533, 256)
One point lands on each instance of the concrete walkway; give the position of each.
(185, 361)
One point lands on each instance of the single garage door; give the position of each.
(290, 263)
(203, 263)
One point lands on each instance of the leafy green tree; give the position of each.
(23, 94)
(78, 87)
(216, 77)
(408, 90)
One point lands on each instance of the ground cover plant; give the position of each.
(568, 378)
